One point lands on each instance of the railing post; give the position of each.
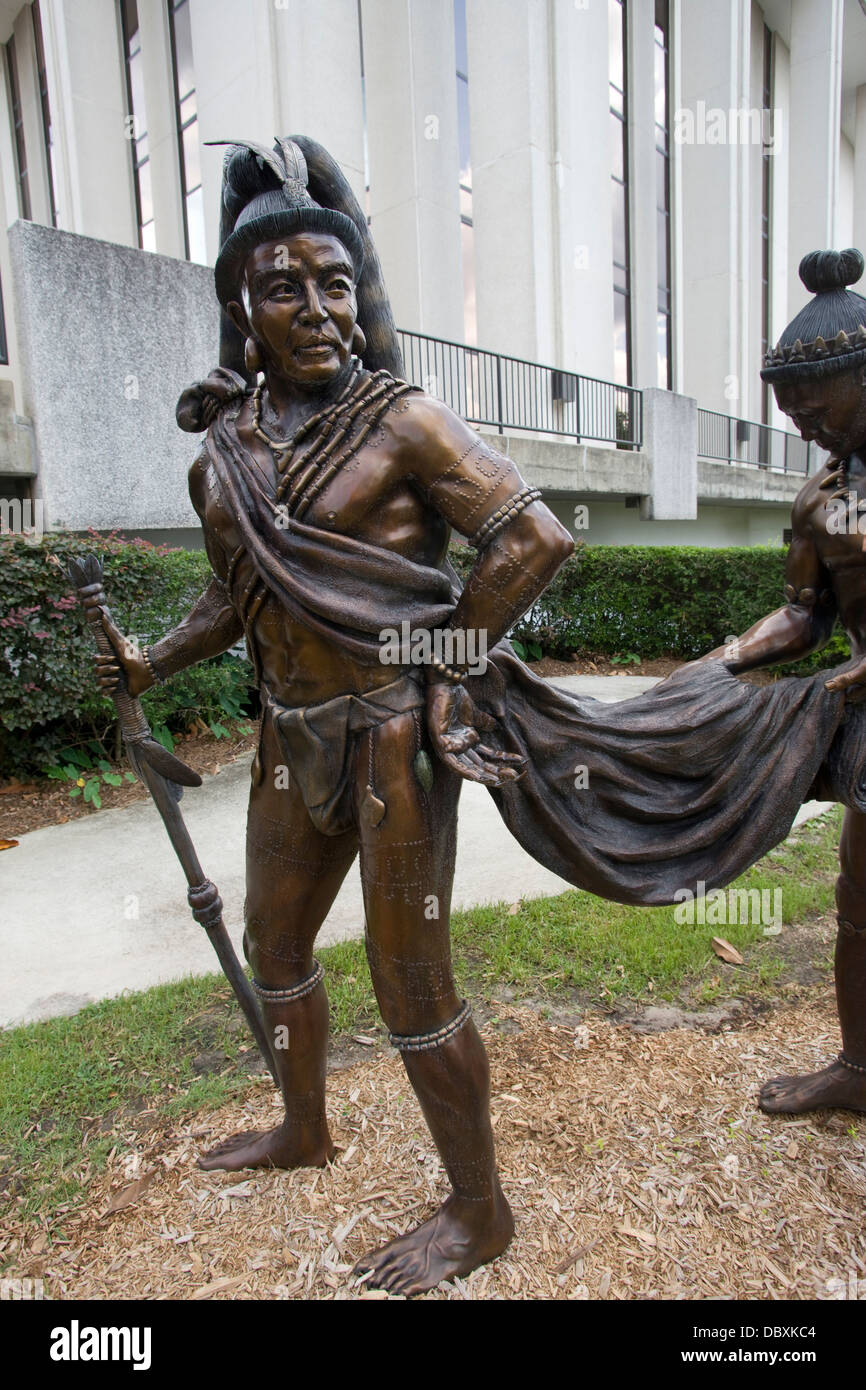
(499, 418)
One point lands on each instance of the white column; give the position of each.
(678, 298)
(161, 129)
(816, 95)
(236, 87)
(87, 94)
(860, 171)
(510, 112)
(643, 220)
(779, 185)
(753, 158)
(410, 84)
(717, 215)
(318, 70)
(581, 317)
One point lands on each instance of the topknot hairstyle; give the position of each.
(829, 334)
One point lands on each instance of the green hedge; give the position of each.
(48, 693)
(658, 601)
(676, 601)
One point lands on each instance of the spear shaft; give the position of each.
(164, 775)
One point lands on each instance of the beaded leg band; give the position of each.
(852, 1066)
(425, 1042)
(290, 996)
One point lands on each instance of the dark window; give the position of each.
(186, 116)
(4, 351)
(47, 137)
(137, 124)
(619, 189)
(23, 180)
(766, 193)
(364, 116)
(663, 201)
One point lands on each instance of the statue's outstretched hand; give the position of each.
(846, 679)
(127, 657)
(454, 722)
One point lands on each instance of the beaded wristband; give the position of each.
(456, 677)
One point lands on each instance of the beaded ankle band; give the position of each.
(290, 996)
(852, 1066)
(425, 1042)
(503, 515)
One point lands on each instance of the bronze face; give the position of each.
(831, 411)
(299, 304)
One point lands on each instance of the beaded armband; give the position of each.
(503, 516)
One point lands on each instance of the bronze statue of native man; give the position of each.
(325, 492)
(327, 487)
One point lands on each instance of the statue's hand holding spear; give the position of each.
(123, 674)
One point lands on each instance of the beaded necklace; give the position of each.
(348, 421)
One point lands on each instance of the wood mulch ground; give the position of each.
(32, 805)
(636, 1164)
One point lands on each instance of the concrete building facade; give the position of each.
(619, 190)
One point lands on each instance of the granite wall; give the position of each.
(109, 336)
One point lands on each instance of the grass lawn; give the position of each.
(68, 1086)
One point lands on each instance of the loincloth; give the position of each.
(319, 744)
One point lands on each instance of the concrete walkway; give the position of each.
(98, 905)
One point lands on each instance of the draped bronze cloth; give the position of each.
(693, 781)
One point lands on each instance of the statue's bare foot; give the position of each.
(274, 1148)
(460, 1237)
(834, 1088)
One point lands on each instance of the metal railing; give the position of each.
(509, 393)
(730, 440)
